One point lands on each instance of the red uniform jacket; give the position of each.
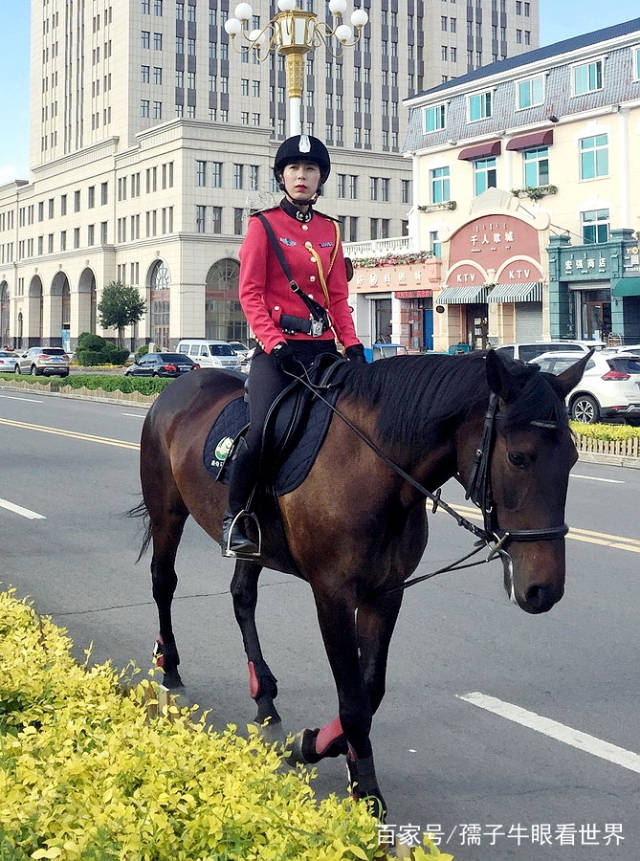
(310, 250)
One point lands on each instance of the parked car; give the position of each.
(209, 353)
(8, 361)
(529, 350)
(610, 385)
(43, 360)
(245, 363)
(161, 365)
(239, 349)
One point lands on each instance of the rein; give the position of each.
(479, 492)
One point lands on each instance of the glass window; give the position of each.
(216, 174)
(536, 167)
(587, 77)
(201, 167)
(440, 185)
(636, 64)
(595, 226)
(144, 74)
(530, 92)
(484, 174)
(434, 118)
(594, 157)
(479, 106)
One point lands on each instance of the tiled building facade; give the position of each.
(151, 138)
(527, 181)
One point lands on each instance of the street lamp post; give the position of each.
(294, 32)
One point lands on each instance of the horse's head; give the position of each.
(532, 454)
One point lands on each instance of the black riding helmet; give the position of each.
(302, 147)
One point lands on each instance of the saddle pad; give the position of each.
(297, 464)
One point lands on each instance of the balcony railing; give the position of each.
(380, 247)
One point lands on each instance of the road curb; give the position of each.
(122, 400)
(609, 459)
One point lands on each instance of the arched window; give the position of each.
(5, 325)
(160, 282)
(224, 319)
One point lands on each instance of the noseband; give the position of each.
(480, 492)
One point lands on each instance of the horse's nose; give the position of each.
(539, 598)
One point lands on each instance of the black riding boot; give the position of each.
(234, 541)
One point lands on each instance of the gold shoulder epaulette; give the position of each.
(330, 217)
(266, 209)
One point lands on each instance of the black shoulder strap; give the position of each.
(315, 309)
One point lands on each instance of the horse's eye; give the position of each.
(519, 460)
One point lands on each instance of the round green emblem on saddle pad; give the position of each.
(223, 448)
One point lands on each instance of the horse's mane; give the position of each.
(422, 399)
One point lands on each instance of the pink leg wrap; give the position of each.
(328, 734)
(254, 684)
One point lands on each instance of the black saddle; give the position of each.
(294, 430)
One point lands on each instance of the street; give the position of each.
(467, 765)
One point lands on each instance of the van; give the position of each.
(527, 352)
(209, 353)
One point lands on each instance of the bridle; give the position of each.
(479, 491)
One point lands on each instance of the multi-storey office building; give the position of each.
(151, 137)
(527, 182)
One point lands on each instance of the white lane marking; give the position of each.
(593, 478)
(135, 415)
(23, 512)
(554, 729)
(14, 398)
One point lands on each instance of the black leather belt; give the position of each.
(291, 325)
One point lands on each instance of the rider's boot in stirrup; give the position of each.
(235, 542)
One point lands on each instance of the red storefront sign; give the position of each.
(412, 294)
(491, 249)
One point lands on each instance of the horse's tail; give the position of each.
(141, 510)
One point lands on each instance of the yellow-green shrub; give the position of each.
(85, 774)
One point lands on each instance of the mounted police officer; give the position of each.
(293, 291)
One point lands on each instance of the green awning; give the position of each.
(530, 291)
(626, 287)
(461, 296)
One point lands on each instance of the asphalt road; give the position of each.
(442, 759)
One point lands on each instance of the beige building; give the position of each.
(527, 182)
(151, 138)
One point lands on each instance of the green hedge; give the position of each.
(88, 771)
(91, 358)
(104, 382)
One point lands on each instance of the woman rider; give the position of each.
(279, 318)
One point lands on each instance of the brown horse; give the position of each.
(356, 528)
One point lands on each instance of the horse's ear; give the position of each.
(501, 381)
(570, 378)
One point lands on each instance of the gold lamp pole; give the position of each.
(293, 32)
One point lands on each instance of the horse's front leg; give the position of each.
(263, 686)
(336, 615)
(376, 619)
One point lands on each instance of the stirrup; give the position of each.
(227, 550)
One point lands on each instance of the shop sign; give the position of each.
(493, 239)
(412, 294)
(582, 265)
(399, 277)
(494, 243)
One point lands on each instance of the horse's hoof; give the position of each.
(273, 732)
(301, 748)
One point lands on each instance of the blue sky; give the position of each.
(559, 20)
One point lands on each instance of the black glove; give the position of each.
(355, 354)
(285, 359)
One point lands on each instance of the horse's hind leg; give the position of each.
(263, 685)
(167, 523)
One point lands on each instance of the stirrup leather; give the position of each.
(228, 551)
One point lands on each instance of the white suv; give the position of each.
(609, 388)
(528, 351)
